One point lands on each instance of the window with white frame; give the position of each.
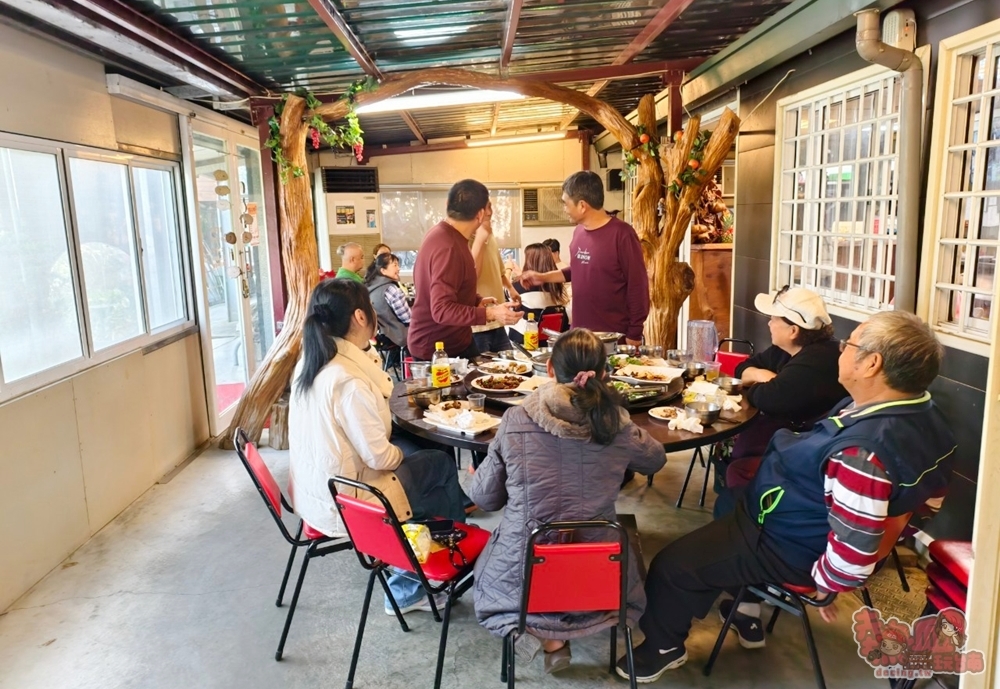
(836, 205)
(91, 259)
(408, 213)
(966, 203)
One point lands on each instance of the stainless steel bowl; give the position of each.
(610, 340)
(627, 350)
(426, 399)
(732, 386)
(707, 412)
(693, 369)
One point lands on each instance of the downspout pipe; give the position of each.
(907, 178)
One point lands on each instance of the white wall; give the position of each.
(545, 163)
(76, 453)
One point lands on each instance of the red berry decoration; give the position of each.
(359, 152)
(314, 133)
(678, 135)
(644, 138)
(694, 164)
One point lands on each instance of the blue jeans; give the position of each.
(430, 481)
(494, 340)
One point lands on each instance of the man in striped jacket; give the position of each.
(815, 512)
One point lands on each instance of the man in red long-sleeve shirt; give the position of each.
(447, 305)
(610, 284)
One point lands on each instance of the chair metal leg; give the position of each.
(503, 660)
(684, 487)
(392, 600)
(614, 649)
(629, 657)
(899, 570)
(649, 480)
(707, 670)
(288, 567)
(774, 618)
(510, 660)
(708, 471)
(291, 606)
(444, 636)
(813, 653)
(361, 629)
(866, 596)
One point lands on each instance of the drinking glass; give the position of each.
(419, 370)
(415, 384)
(712, 370)
(477, 401)
(678, 357)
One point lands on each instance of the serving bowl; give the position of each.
(426, 399)
(732, 386)
(693, 369)
(707, 412)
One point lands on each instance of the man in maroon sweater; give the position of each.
(610, 284)
(447, 305)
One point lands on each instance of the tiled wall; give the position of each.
(960, 387)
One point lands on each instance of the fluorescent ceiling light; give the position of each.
(548, 136)
(439, 100)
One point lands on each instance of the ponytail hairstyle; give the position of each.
(381, 262)
(578, 359)
(331, 309)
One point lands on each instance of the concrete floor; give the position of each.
(179, 590)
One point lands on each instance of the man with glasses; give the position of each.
(815, 513)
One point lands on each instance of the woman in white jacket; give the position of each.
(339, 425)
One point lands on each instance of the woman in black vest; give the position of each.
(388, 298)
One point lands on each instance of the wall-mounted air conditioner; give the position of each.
(543, 207)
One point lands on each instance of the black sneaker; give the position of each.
(749, 629)
(651, 663)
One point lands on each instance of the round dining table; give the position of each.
(410, 418)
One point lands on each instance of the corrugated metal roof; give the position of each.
(286, 45)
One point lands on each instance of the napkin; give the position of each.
(732, 403)
(686, 423)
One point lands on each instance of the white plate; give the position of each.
(516, 367)
(477, 384)
(484, 423)
(638, 374)
(439, 407)
(646, 361)
(658, 413)
(534, 383)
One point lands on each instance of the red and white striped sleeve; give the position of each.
(857, 492)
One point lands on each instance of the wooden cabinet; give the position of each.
(713, 271)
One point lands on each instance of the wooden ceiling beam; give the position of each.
(332, 17)
(509, 33)
(496, 119)
(412, 124)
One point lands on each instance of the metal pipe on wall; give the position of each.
(907, 179)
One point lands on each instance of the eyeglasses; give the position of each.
(784, 305)
(844, 344)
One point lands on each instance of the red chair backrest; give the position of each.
(729, 361)
(262, 475)
(373, 533)
(575, 577)
(551, 321)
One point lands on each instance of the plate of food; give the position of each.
(533, 383)
(664, 413)
(442, 407)
(464, 421)
(647, 374)
(519, 368)
(501, 383)
(619, 361)
(642, 396)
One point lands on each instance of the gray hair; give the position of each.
(911, 354)
(342, 249)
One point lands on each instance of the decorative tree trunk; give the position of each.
(298, 237)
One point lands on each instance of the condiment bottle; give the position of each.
(440, 368)
(531, 333)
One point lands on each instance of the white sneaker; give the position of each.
(422, 605)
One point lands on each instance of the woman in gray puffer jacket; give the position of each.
(561, 455)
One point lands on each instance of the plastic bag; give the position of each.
(419, 537)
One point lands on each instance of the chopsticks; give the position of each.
(420, 391)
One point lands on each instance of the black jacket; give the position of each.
(805, 386)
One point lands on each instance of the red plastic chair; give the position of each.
(574, 577)
(315, 543)
(553, 318)
(730, 360)
(379, 543)
(794, 599)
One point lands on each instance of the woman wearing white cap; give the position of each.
(793, 382)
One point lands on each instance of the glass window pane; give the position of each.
(110, 270)
(39, 326)
(163, 270)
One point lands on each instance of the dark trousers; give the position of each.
(688, 575)
(430, 481)
(494, 340)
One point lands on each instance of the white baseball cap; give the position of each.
(802, 307)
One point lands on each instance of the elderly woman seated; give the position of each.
(561, 455)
